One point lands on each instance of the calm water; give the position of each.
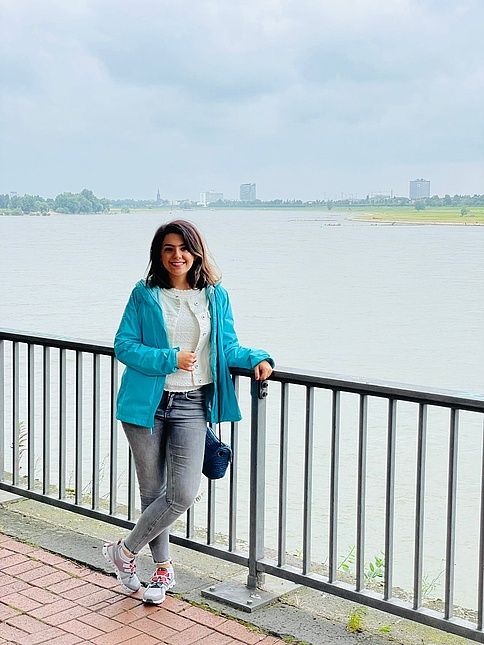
(320, 292)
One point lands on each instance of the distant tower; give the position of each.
(158, 196)
(419, 189)
(210, 196)
(247, 192)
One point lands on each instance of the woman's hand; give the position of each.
(186, 360)
(262, 371)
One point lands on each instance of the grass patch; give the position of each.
(429, 215)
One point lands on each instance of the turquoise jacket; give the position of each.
(141, 343)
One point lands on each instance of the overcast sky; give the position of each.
(310, 99)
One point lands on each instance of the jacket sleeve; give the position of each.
(130, 348)
(236, 354)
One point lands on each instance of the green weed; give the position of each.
(355, 622)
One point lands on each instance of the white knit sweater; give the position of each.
(187, 320)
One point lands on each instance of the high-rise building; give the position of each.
(419, 189)
(247, 192)
(210, 196)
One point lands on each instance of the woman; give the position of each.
(177, 340)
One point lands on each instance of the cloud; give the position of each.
(117, 95)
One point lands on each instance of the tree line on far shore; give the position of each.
(83, 202)
(87, 202)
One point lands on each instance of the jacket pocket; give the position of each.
(138, 397)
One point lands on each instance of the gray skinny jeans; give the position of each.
(168, 466)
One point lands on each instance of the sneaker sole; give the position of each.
(158, 602)
(107, 557)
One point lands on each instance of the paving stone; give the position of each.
(64, 616)
(168, 618)
(189, 636)
(13, 586)
(19, 601)
(103, 623)
(43, 636)
(18, 547)
(28, 565)
(202, 616)
(240, 632)
(61, 604)
(27, 623)
(81, 629)
(98, 596)
(142, 639)
(117, 636)
(154, 629)
(46, 557)
(7, 612)
(9, 558)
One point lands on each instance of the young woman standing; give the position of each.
(177, 340)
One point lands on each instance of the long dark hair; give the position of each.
(202, 273)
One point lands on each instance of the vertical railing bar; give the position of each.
(31, 417)
(419, 505)
(390, 499)
(2, 409)
(361, 492)
(113, 440)
(190, 522)
(79, 433)
(62, 424)
(257, 484)
(131, 487)
(15, 415)
(46, 424)
(334, 485)
(308, 480)
(233, 475)
(283, 454)
(96, 429)
(211, 512)
(451, 515)
(480, 589)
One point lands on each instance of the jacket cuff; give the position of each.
(174, 352)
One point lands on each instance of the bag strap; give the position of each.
(219, 424)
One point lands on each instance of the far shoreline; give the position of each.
(374, 215)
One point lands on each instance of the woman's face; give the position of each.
(176, 259)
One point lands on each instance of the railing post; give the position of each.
(2, 408)
(15, 415)
(259, 391)
(46, 421)
(30, 416)
(250, 596)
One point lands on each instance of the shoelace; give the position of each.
(161, 577)
(128, 566)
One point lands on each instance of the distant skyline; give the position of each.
(309, 100)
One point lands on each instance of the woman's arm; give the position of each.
(130, 349)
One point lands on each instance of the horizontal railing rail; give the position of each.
(370, 491)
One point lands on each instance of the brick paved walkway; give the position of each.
(46, 598)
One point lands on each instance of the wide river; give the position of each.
(319, 291)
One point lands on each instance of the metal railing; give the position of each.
(327, 472)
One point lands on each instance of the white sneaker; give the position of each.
(162, 580)
(123, 565)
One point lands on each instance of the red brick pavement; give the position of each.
(45, 598)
